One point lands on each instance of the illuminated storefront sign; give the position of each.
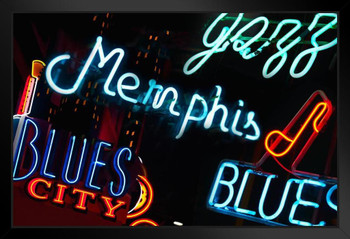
(227, 38)
(305, 191)
(197, 111)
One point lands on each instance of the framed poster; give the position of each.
(188, 122)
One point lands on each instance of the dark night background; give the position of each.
(181, 170)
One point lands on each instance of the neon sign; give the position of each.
(197, 111)
(226, 37)
(226, 195)
(45, 185)
(95, 160)
(231, 179)
(27, 98)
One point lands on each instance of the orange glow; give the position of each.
(32, 185)
(143, 182)
(144, 221)
(292, 141)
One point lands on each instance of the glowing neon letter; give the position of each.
(188, 115)
(215, 107)
(61, 188)
(82, 200)
(121, 87)
(282, 51)
(68, 161)
(20, 148)
(283, 199)
(32, 185)
(95, 163)
(47, 154)
(103, 59)
(157, 103)
(109, 206)
(304, 203)
(313, 51)
(251, 122)
(152, 85)
(120, 171)
(236, 118)
(328, 197)
(220, 181)
(243, 48)
(214, 46)
(240, 192)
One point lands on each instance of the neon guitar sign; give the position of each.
(226, 38)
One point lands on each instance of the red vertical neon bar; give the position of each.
(23, 98)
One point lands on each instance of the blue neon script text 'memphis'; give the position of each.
(243, 124)
(226, 38)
